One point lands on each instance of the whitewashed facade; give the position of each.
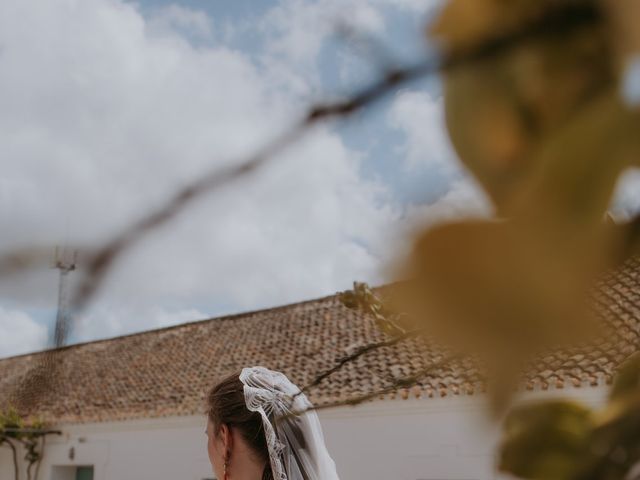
(446, 438)
(128, 407)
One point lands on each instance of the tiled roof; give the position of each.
(166, 372)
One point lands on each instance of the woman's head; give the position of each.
(260, 426)
(232, 428)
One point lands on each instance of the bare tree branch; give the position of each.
(356, 354)
(403, 382)
(558, 21)
(100, 263)
(37, 431)
(14, 454)
(553, 23)
(25, 258)
(42, 446)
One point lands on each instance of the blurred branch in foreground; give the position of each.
(99, 261)
(562, 439)
(556, 23)
(398, 383)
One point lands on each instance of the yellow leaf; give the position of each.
(575, 170)
(495, 288)
(465, 23)
(624, 16)
(501, 109)
(627, 381)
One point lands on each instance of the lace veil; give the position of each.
(296, 444)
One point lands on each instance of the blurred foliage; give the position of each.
(565, 440)
(547, 440)
(542, 126)
(16, 430)
(363, 298)
(537, 117)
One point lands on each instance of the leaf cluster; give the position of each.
(565, 440)
(362, 298)
(14, 425)
(542, 127)
(16, 429)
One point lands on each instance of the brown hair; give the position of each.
(226, 405)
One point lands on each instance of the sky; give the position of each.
(107, 107)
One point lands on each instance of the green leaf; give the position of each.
(546, 440)
(11, 419)
(500, 111)
(627, 380)
(615, 443)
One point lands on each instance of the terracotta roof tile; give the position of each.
(166, 372)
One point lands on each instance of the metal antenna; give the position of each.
(65, 262)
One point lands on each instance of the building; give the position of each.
(131, 408)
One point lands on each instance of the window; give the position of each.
(84, 473)
(72, 473)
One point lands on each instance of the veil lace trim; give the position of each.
(295, 441)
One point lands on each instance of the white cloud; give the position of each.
(166, 318)
(19, 333)
(464, 199)
(172, 18)
(296, 29)
(626, 201)
(110, 320)
(102, 118)
(422, 6)
(105, 113)
(421, 119)
(295, 32)
(631, 81)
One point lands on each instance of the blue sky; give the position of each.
(115, 104)
(402, 42)
(110, 106)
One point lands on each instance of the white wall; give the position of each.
(6, 464)
(417, 439)
(423, 439)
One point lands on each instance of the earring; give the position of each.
(226, 464)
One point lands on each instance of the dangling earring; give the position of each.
(226, 464)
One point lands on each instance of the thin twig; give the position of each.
(42, 448)
(14, 452)
(558, 21)
(37, 431)
(99, 264)
(356, 354)
(403, 382)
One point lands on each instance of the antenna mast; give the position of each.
(65, 263)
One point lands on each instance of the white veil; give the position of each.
(296, 444)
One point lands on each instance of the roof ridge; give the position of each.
(226, 317)
(155, 374)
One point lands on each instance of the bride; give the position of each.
(255, 430)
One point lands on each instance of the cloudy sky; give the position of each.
(109, 106)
